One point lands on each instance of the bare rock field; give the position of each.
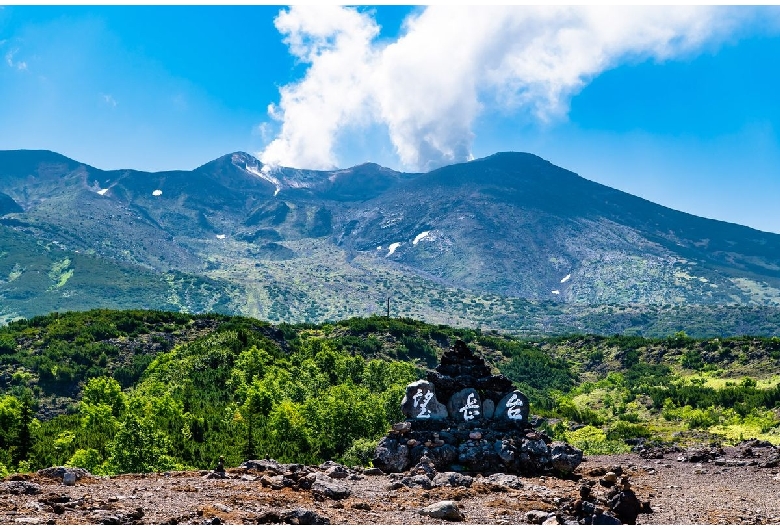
(705, 485)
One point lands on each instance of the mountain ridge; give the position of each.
(312, 245)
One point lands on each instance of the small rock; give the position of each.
(553, 519)
(418, 481)
(403, 427)
(20, 487)
(373, 472)
(502, 482)
(603, 518)
(451, 478)
(361, 506)
(325, 487)
(609, 479)
(475, 435)
(447, 510)
(536, 516)
(27, 520)
(302, 516)
(337, 472)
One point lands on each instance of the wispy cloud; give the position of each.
(451, 64)
(109, 100)
(9, 58)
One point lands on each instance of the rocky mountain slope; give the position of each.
(480, 242)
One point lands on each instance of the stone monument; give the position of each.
(483, 427)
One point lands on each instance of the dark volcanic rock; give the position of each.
(391, 455)
(459, 369)
(19, 487)
(325, 487)
(302, 516)
(565, 458)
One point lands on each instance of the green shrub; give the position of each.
(593, 441)
(360, 453)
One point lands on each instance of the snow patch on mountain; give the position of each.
(392, 248)
(422, 236)
(566, 278)
(157, 193)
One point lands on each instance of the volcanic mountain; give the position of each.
(468, 243)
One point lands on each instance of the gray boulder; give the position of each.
(325, 487)
(502, 482)
(451, 478)
(564, 457)
(420, 402)
(535, 447)
(59, 472)
(303, 516)
(19, 487)
(417, 481)
(391, 456)
(447, 510)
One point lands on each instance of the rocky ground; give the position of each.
(699, 486)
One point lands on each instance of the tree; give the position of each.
(139, 448)
(258, 404)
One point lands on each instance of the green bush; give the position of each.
(360, 453)
(593, 441)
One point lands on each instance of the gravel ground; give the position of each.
(730, 488)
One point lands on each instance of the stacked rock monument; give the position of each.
(464, 418)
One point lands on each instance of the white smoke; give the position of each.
(452, 63)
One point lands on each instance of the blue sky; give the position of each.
(688, 119)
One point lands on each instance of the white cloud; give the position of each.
(452, 63)
(9, 59)
(109, 100)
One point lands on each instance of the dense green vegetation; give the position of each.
(120, 391)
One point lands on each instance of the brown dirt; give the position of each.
(678, 492)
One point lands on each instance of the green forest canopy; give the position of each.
(152, 390)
